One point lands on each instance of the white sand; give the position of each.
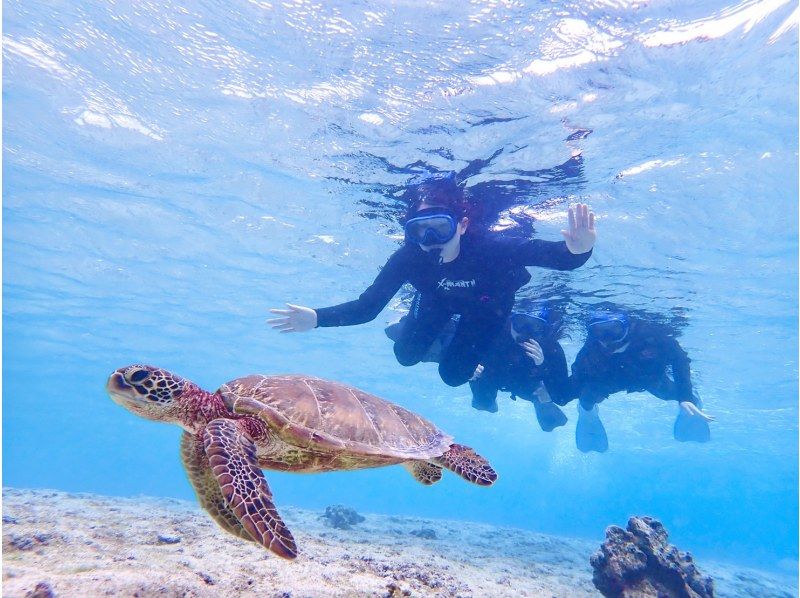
(85, 545)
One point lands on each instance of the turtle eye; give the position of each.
(137, 375)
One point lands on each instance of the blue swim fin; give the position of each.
(690, 428)
(590, 434)
(549, 415)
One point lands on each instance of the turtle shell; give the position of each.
(317, 413)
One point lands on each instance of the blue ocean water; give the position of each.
(173, 170)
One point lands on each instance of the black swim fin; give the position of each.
(549, 415)
(484, 404)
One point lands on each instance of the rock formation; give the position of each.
(640, 563)
(341, 517)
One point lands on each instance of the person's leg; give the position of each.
(473, 336)
(590, 398)
(484, 394)
(419, 329)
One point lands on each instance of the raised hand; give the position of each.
(295, 319)
(581, 235)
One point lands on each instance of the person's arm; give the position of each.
(370, 303)
(681, 373)
(556, 377)
(680, 387)
(572, 252)
(299, 318)
(549, 254)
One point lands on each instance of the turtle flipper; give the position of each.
(424, 472)
(232, 456)
(206, 487)
(468, 464)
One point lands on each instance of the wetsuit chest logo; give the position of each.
(448, 285)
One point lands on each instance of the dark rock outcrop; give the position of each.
(640, 563)
(168, 539)
(341, 517)
(42, 590)
(425, 532)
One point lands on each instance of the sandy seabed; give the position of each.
(85, 545)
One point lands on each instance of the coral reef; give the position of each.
(640, 563)
(341, 517)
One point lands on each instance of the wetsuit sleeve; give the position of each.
(548, 254)
(370, 303)
(681, 373)
(556, 379)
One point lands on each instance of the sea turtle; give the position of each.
(286, 423)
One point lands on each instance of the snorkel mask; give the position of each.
(431, 226)
(531, 325)
(608, 329)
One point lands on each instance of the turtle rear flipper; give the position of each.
(424, 472)
(209, 494)
(232, 456)
(468, 464)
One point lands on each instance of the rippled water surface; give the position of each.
(173, 170)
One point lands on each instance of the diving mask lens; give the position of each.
(608, 331)
(433, 229)
(528, 326)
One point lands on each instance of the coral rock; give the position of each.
(425, 532)
(341, 517)
(167, 539)
(640, 563)
(42, 590)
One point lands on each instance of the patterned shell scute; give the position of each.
(361, 421)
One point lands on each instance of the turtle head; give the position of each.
(150, 392)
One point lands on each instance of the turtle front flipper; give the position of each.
(232, 456)
(468, 464)
(424, 472)
(206, 487)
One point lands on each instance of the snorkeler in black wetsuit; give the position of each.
(622, 353)
(524, 359)
(475, 276)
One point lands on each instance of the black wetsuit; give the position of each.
(479, 285)
(506, 367)
(653, 361)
